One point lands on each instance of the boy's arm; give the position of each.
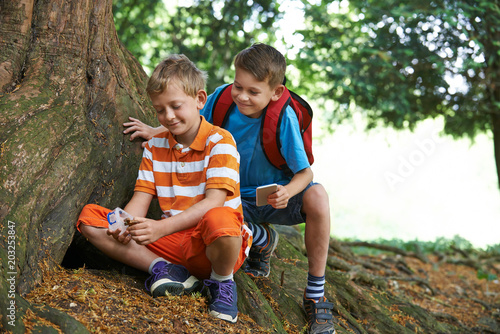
(279, 199)
(141, 130)
(139, 204)
(149, 230)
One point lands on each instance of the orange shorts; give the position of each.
(187, 247)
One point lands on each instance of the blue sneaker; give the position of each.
(173, 279)
(223, 299)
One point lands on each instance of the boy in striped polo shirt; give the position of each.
(193, 169)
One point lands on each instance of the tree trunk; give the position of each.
(67, 85)
(495, 121)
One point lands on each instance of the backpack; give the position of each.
(271, 123)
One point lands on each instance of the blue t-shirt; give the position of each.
(255, 169)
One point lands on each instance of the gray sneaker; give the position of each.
(257, 263)
(319, 316)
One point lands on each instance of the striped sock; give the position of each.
(259, 234)
(315, 287)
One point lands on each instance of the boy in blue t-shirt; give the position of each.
(259, 73)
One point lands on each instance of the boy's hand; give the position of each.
(279, 199)
(146, 231)
(139, 130)
(124, 238)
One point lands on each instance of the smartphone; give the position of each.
(263, 192)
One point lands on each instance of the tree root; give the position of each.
(386, 248)
(418, 280)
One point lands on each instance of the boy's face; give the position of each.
(178, 112)
(251, 95)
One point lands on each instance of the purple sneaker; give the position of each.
(169, 278)
(223, 299)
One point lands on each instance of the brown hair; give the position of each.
(177, 66)
(264, 62)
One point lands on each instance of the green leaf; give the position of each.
(481, 274)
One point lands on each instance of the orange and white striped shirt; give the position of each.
(179, 176)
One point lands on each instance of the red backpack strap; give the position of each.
(303, 109)
(270, 130)
(223, 103)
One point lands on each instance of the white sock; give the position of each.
(155, 261)
(216, 277)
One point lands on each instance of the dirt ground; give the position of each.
(452, 292)
(106, 302)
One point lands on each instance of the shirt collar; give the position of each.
(200, 141)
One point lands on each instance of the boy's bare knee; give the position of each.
(316, 192)
(316, 200)
(224, 249)
(84, 229)
(226, 242)
(88, 231)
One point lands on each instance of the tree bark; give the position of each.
(66, 87)
(495, 121)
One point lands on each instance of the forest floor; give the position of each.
(108, 302)
(452, 292)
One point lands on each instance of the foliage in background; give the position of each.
(395, 59)
(400, 62)
(210, 33)
(404, 61)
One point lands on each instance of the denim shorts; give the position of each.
(291, 215)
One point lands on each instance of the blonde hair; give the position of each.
(179, 67)
(264, 62)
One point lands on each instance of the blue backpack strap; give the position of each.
(223, 103)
